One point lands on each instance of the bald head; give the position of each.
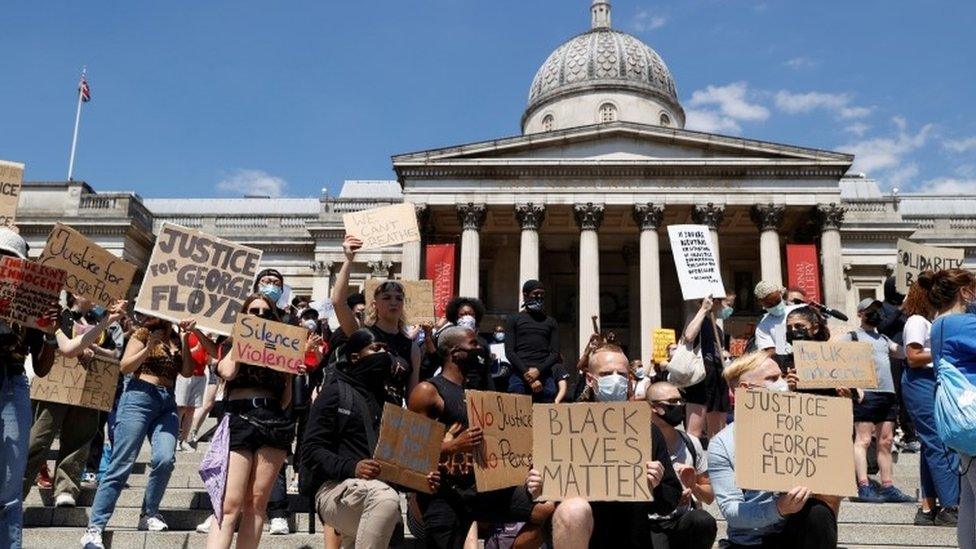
(661, 391)
(452, 338)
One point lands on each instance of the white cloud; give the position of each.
(857, 128)
(253, 182)
(902, 176)
(960, 145)
(646, 20)
(704, 120)
(888, 154)
(731, 100)
(837, 103)
(800, 63)
(949, 185)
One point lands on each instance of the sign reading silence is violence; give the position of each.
(193, 273)
(29, 292)
(505, 456)
(92, 271)
(267, 343)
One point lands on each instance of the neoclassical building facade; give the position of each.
(580, 200)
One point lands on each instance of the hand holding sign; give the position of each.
(384, 226)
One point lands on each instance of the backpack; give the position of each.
(691, 448)
(955, 405)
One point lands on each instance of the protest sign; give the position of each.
(785, 440)
(89, 384)
(506, 454)
(194, 274)
(914, 258)
(11, 182)
(834, 364)
(440, 270)
(324, 308)
(737, 346)
(598, 450)
(418, 304)
(28, 290)
(695, 262)
(408, 447)
(663, 338)
(803, 270)
(92, 271)
(384, 226)
(498, 349)
(267, 343)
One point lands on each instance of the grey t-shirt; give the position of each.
(881, 346)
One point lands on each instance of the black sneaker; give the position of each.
(924, 518)
(948, 516)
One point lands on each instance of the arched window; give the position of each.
(608, 112)
(548, 122)
(665, 119)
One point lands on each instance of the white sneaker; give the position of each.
(92, 539)
(204, 527)
(153, 524)
(279, 527)
(64, 499)
(182, 446)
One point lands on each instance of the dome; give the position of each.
(605, 61)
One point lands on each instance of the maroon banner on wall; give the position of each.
(803, 269)
(440, 271)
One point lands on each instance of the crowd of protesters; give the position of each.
(324, 422)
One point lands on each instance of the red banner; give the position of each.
(440, 271)
(803, 269)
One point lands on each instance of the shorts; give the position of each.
(189, 390)
(712, 391)
(876, 408)
(246, 436)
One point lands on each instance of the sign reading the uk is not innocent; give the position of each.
(274, 345)
(28, 290)
(834, 364)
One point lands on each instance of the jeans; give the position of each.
(74, 427)
(145, 410)
(15, 413)
(814, 527)
(938, 466)
(518, 386)
(966, 527)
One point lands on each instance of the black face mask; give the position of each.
(674, 414)
(374, 370)
(469, 361)
(798, 335)
(873, 318)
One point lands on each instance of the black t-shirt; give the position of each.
(400, 346)
(532, 341)
(16, 342)
(711, 349)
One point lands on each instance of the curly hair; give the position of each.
(917, 301)
(454, 305)
(943, 287)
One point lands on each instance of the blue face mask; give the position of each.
(271, 291)
(725, 313)
(98, 310)
(778, 310)
(499, 336)
(612, 388)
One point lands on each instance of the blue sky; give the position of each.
(195, 98)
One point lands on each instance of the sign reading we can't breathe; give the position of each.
(384, 226)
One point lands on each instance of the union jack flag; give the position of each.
(83, 89)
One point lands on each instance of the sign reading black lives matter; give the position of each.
(195, 274)
(597, 451)
(695, 261)
(89, 384)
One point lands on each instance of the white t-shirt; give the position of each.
(698, 460)
(771, 332)
(918, 330)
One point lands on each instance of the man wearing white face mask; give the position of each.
(771, 330)
(796, 518)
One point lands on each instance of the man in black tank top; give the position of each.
(448, 514)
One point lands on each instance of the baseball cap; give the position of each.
(866, 303)
(13, 243)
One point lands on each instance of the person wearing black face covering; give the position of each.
(532, 346)
(688, 526)
(336, 465)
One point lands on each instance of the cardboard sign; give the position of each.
(785, 440)
(663, 338)
(803, 269)
(194, 274)
(914, 258)
(418, 306)
(93, 271)
(11, 182)
(506, 455)
(267, 343)
(598, 451)
(834, 364)
(384, 226)
(90, 384)
(737, 346)
(694, 259)
(408, 447)
(28, 290)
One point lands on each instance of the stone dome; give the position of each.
(605, 60)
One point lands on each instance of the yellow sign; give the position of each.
(663, 338)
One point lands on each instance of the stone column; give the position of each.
(648, 218)
(411, 265)
(471, 217)
(379, 269)
(530, 217)
(321, 279)
(831, 217)
(588, 216)
(767, 218)
(710, 214)
(632, 262)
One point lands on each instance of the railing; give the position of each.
(295, 222)
(116, 204)
(242, 222)
(340, 205)
(870, 206)
(97, 202)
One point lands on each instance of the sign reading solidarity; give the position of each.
(694, 259)
(90, 384)
(93, 271)
(803, 270)
(267, 343)
(440, 270)
(506, 454)
(384, 226)
(408, 447)
(914, 258)
(194, 274)
(785, 440)
(834, 364)
(28, 290)
(663, 338)
(418, 305)
(597, 450)
(11, 181)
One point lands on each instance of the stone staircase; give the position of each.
(186, 504)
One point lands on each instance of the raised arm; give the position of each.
(345, 316)
(72, 347)
(693, 328)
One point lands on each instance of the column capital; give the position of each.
(767, 217)
(530, 216)
(380, 268)
(709, 214)
(319, 267)
(424, 219)
(648, 216)
(472, 216)
(830, 216)
(588, 216)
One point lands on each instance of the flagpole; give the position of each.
(74, 138)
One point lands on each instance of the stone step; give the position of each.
(128, 517)
(130, 538)
(887, 535)
(174, 498)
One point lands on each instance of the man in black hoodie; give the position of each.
(893, 326)
(336, 464)
(532, 346)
